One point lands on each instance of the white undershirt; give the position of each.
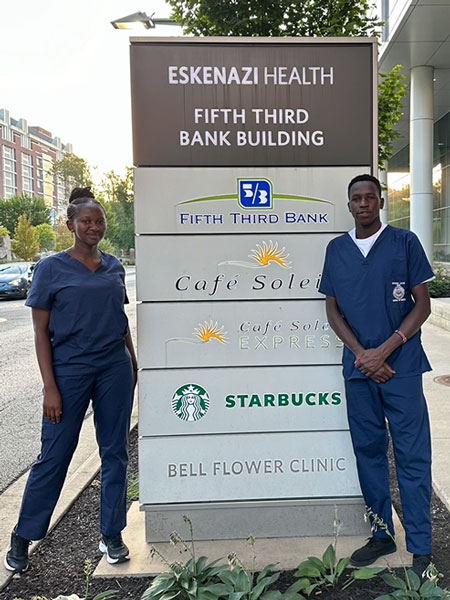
(365, 244)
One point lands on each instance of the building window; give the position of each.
(25, 142)
(6, 133)
(39, 176)
(27, 174)
(9, 172)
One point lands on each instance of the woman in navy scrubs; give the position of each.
(85, 352)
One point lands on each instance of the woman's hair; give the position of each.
(80, 196)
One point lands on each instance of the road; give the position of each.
(21, 386)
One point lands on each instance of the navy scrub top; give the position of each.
(374, 294)
(87, 319)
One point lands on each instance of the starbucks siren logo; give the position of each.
(190, 402)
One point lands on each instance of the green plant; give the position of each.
(410, 586)
(133, 489)
(324, 573)
(440, 286)
(25, 244)
(3, 231)
(46, 236)
(240, 583)
(107, 246)
(195, 580)
(391, 92)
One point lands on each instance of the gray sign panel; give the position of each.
(234, 267)
(229, 200)
(245, 333)
(247, 467)
(233, 103)
(205, 401)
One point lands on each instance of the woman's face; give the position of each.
(88, 224)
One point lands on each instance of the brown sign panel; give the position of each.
(242, 104)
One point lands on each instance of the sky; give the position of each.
(65, 68)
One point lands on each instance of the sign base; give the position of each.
(239, 520)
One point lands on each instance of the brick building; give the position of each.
(27, 154)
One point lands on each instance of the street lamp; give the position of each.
(140, 20)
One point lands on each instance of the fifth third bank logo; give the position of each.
(255, 194)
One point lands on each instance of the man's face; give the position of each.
(365, 203)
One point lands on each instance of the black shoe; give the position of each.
(369, 553)
(114, 548)
(16, 558)
(420, 564)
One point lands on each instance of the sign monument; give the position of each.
(243, 149)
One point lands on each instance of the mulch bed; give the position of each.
(57, 566)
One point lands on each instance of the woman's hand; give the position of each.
(52, 405)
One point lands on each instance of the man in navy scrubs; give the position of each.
(374, 279)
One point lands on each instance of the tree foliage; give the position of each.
(74, 171)
(306, 18)
(34, 209)
(64, 238)
(46, 236)
(117, 199)
(25, 244)
(276, 17)
(391, 91)
(3, 231)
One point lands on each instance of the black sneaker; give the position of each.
(420, 564)
(114, 548)
(369, 553)
(16, 558)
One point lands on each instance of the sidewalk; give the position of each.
(86, 463)
(83, 468)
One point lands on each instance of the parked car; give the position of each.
(15, 279)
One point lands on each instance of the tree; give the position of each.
(391, 92)
(276, 17)
(34, 209)
(25, 244)
(46, 236)
(307, 18)
(74, 172)
(3, 231)
(64, 238)
(106, 246)
(118, 202)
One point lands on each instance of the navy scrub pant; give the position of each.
(402, 403)
(111, 391)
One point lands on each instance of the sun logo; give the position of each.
(205, 332)
(210, 331)
(263, 255)
(268, 253)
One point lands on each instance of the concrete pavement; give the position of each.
(436, 337)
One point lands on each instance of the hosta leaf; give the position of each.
(316, 562)
(219, 589)
(329, 557)
(413, 579)
(394, 582)
(298, 585)
(267, 569)
(342, 565)
(308, 572)
(272, 595)
(367, 572)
